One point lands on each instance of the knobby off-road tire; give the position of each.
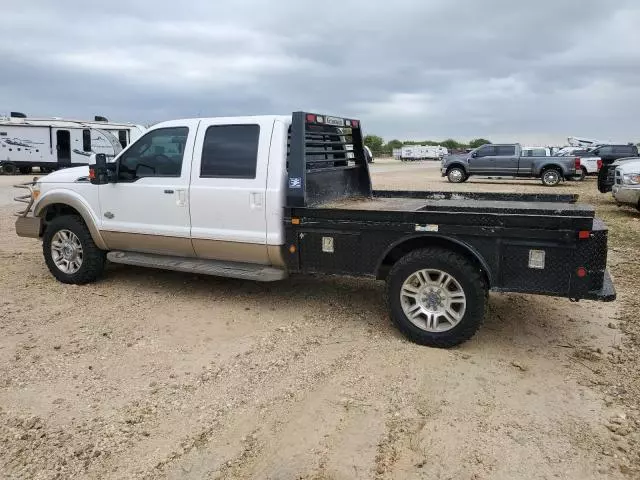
(69, 251)
(460, 278)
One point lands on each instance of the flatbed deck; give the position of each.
(462, 205)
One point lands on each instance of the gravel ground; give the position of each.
(151, 374)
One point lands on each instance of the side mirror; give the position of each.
(474, 154)
(98, 174)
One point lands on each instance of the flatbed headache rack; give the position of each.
(326, 160)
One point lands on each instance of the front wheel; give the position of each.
(436, 297)
(551, 177)
(69, 251)
(456, 175)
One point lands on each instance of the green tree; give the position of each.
(395, 143)
(374, 142)
(451, 144)
(478, 142)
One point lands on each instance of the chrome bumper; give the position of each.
(628, 195)
(29, 226)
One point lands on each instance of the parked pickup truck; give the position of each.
(590, 164)
(626, 188)
(508, 161)
(266, 197)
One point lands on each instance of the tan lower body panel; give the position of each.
(232, 251)
(185, 247)
(137, 242)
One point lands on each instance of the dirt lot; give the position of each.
(152, 374)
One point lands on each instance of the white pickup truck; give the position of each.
(590, 164)
(266, 197)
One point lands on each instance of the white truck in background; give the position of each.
(590, 164)
(53, 143)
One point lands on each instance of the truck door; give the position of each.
(525, 162)
(228, 188)
(147, 209)
(63, 147)
(505, 161)
(482, 161)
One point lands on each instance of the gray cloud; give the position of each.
(528, 71)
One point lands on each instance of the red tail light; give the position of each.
(599, 164)
(311, 118)
(578, 166)
(355, 123)
(92, 173)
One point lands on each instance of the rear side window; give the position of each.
(230, 151)
(86, 140)
(623, 150)
(505, 150)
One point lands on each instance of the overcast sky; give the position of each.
(534, 72)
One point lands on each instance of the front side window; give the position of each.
(605, 150)
(486, 151)
(230, 151)
(159, 153)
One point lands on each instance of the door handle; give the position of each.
(182, 198)
(255, 199)
(168, 192)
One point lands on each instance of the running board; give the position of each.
(245, 271)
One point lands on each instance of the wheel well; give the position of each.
(552, 167)
(454, 165)
(401, 249)
(55, 210)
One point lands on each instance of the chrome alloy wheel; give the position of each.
(433, 300)
(66, 251)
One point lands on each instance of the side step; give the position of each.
(245, 271)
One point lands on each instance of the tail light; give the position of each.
(578, 166)
(599, 164)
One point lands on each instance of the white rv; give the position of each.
(53, 143)
(422, 152)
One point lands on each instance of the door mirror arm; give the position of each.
(98, 172)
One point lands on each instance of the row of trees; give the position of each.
(379, 147)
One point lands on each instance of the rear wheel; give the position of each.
(456, 175)
(9, 169)
(69, 251)
(551, 177)
(436, 297)
(581, 175)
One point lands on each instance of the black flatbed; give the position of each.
(336, 223)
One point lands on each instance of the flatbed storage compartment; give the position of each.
(524, 243)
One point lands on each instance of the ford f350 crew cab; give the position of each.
(509, 161)
(266, 197)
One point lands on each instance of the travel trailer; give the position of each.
(53, 143)
(422, 152)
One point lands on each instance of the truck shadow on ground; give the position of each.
(511, 319)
